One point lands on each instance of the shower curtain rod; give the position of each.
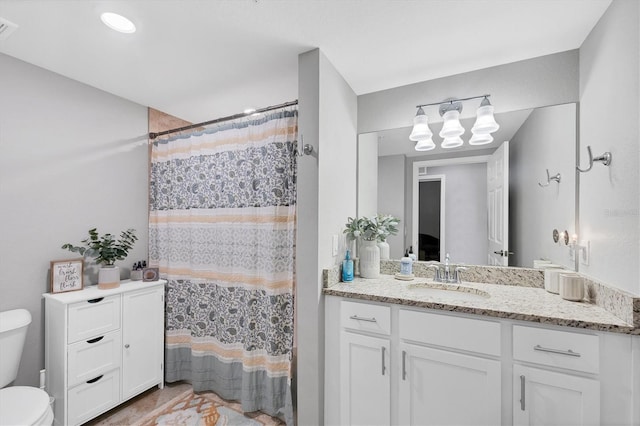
(154, 135)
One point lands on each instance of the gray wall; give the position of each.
(465, 211)
(610, 121)
(390, 184)
(547, 139)
(326, 197)
(547, 80)
(71, 158)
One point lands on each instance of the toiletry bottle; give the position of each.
(347, 268)
(406, 264)
(412, 255)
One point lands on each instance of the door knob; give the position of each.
(503, 253)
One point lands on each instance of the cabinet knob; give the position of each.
(126, 346)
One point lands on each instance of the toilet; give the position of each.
(19, 405)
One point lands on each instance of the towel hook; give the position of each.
(604, 158)
(550, 178)
(306, 148)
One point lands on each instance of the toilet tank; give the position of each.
(13, 331)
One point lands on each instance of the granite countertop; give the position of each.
(503, 301)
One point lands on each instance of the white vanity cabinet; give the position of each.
(102, 347)
(563, 388)
(365, 349)
(450, 370)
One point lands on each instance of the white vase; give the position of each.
(369, 259)
(384, 250)
(108, 277)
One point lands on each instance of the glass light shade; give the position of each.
(451, 127)
(421, 128)
(425, 145)
(480, 139)
(452, 142)
(485, 123)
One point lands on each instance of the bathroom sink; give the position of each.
(449, 292)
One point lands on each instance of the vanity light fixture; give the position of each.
(452, 130)
(118, 23)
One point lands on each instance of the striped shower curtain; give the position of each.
(222, 232)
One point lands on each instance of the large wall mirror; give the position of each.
(490, 204)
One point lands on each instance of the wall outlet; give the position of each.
(334, 245)
(584, 252)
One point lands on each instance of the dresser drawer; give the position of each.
(93, 318)
(93, 397)
(555, 348)
(90, 358)
(450, 331)
(365, 317)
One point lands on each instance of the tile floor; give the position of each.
(137, 407)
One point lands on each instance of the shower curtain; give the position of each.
(222, 231)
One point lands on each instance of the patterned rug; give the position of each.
(205, 409)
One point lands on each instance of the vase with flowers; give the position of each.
(370, 231)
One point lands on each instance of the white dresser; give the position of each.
(102, 347)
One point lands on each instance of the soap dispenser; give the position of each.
(412, 255)
(406, 265)
(347, 268)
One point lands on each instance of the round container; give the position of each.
(571, 287)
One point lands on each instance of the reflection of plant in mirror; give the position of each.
(377, 228)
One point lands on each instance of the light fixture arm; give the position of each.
(451, 101)
(604, 158)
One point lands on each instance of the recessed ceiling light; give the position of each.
(249, 110)
(118, 22)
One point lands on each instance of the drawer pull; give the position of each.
(568, 352)
(357, 318)
(522, 390)
(99, 299)
(97, 339)
(96, 379)
(384, 368)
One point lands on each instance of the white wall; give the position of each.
(326, 197)
(610, 121)
(465, 211)
(391, 198)
(547, 80)
(71, 158)
(547, 139)
(368, 174)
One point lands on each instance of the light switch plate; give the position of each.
(585, 252)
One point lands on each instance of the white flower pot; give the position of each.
(384, 250)
(369, 259)
(108, 277)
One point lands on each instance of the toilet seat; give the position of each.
(24, 405)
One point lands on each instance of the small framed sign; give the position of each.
(66, 275)
(150, 274)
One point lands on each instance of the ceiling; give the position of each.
(199, 60)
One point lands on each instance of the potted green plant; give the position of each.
(106, 249)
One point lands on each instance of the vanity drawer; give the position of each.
(93, 318)
(555, 348)
(450, 331)
(90, 358)
(365, 317)
(93, 397)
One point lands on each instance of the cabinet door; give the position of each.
(447, 388)
(142, 340)
(542, 397)
(365, 383)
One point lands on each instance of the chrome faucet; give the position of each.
(444, 274)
